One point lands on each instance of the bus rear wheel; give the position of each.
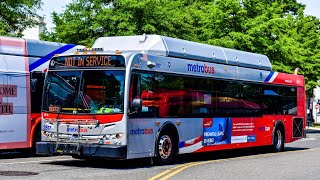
(278, 140)
(166, 148)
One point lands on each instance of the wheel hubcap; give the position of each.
(279, 139)
(165, 147)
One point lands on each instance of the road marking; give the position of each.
(175, 170)
(308, 139)
(169, 170)
(39, 161)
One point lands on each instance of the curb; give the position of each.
(312, 128)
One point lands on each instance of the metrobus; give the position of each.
(23, 63)
(154, 96)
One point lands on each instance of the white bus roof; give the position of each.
(172, 47)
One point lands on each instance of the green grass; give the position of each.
(316, 125)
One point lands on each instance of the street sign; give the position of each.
(316, 106)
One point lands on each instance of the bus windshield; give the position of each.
(88, 91)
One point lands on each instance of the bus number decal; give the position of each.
(46, 128)
(54, 108)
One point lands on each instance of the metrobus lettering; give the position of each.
(8, 91)
(76, 130)
(141, 131)
(201, 68)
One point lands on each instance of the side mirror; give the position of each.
(137, 105)
(34, 85)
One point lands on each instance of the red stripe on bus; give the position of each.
(12, 42)
(192, 142)
(289, 79)
(14, 145)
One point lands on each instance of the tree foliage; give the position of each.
(17, 15)
(276, 28)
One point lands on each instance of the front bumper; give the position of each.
(84, 150)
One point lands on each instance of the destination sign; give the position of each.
(88, 61)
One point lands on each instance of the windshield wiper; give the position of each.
(82, 98)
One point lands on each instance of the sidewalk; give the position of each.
(312, 128)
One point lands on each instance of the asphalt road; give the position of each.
(301, 160)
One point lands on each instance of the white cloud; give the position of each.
(312, 7)
(31, 33)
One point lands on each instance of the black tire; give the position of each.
(166, 148)
(36, 138)
(278, 140)
(76, 156)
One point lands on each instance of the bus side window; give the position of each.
(36, 80)
(142, 87)
(250, 100)
(173, 99)
(228, 98)
(280, 100)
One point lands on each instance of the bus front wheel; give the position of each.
(166, 148)
(278, 139)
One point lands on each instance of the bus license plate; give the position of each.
(67, 149)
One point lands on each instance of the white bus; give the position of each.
(23, 63)
(154, 96)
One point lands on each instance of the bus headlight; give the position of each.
(49, 135)
(113, 136)
(113, 139)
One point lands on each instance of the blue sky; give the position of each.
(312, 8)
(48, 7)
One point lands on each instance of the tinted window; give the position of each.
(250, 99)
(279, 100)
(37, 80)
(166, 95)
(142, 87)
(174, 96)
(228, 98)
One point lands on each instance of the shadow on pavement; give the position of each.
(18, 154)
(227, 154)
(313, 131)
(104, 163)
(181, 159)
(13, 155)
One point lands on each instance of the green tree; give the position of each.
(276, 28)
(85, 20)
(17, 15)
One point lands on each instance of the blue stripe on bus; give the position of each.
(181, 144)
(269, 76)
(49, 56)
